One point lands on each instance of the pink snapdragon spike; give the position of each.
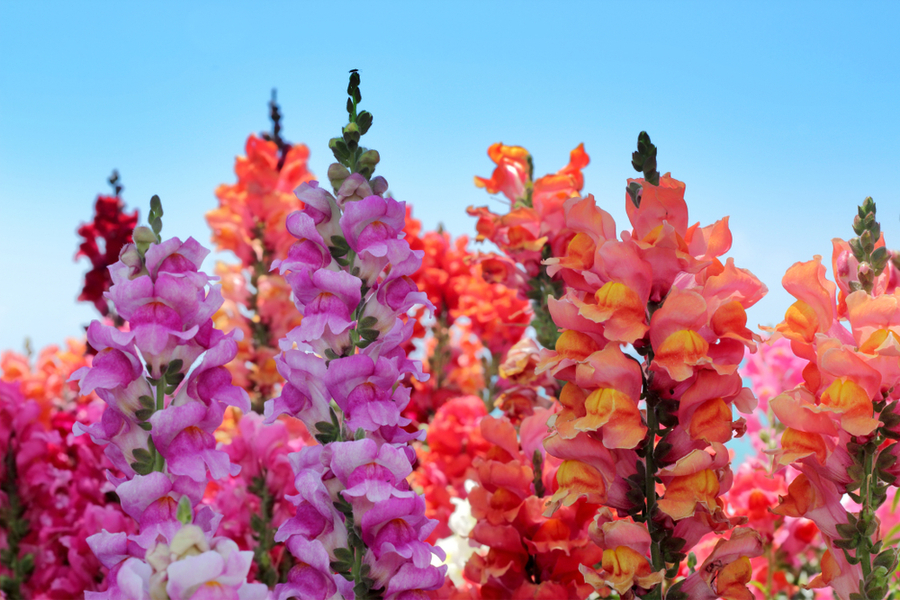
(842, 423)
(159, 428)
(358, 527)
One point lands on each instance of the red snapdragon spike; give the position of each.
(113, 226)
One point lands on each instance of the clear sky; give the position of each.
(782, 115)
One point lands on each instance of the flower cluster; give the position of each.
(444, 463)
(533, 229)
(529, 554)
(53, 495)
(104, 238)
(250, 222)
(627, 425)
(475, 323)
(46, 380)
(158, 424)
(842, 422)
(358, 525)
(536, 218)
(254, 503)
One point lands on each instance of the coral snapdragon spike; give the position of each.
(841, 421)
(646, 437)
(250, 222)
(104, 238)
(359, 529)
(160, 417)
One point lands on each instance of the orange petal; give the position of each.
(712, 422)
(800, 499)
(731, 583)
(623, 567)
(830, 570)
(800, 444)
(683, 494)
(800, 322)
(680, 352)
(620, 309)
(806, 281)
(848, 398)
(617, 414)
(575, 345)
(576, 480)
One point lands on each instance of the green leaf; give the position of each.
(147, 402)
(175, 366)
(143, 414)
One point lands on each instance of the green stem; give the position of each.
(159, 463)
(437, 363)
(650, 484)
(865, 515)
(161, 393)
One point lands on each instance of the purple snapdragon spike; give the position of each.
(158, 427)
(359, 530)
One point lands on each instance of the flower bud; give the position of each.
(337, 173)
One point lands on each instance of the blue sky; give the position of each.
(780, 115)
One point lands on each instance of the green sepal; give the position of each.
(367, 322)
(364, 121)
(185, 512)
(369, 334)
